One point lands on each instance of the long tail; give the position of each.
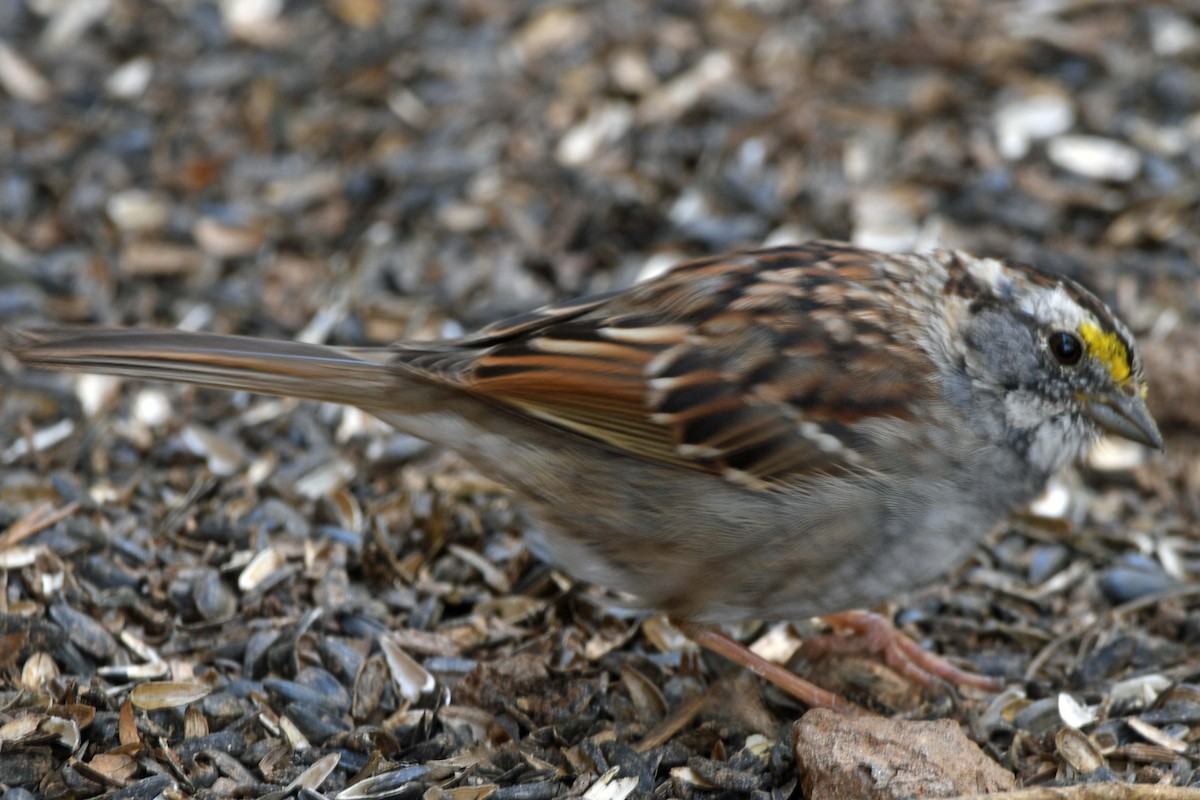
(291, 369)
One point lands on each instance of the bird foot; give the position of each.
(864, 632)
(858, 632)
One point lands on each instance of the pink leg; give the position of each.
(712, 638)
(871, 633)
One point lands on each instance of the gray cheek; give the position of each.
(1004, 352)
(1025, 410)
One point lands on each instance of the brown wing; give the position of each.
(757, 366)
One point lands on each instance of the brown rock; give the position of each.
(873, 757)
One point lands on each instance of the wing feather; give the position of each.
(754, 367)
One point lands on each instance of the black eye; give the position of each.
(1066, 347)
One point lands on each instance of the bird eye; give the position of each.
(1066, 348)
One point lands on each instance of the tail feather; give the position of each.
(290, 369)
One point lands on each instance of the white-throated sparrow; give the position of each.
(769, 434)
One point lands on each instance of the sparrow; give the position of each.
(772, 434)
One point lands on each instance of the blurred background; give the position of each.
(260, 157)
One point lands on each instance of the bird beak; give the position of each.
(1124, 415)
